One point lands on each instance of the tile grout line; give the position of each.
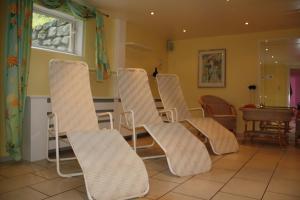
(13, 190)
(239, 195)
(234, 175)
(48, 196)
(172, 190)
(276, 166)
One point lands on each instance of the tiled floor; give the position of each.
(256, 172)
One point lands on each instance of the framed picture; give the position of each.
(212, 68)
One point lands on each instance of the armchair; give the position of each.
(220, 110)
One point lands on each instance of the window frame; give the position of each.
(77, 33)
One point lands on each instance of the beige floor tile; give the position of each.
(199, 188)
(45, 163)
(1, 178)
(243, 187)
(254, 174)
(291, 164)
(261, 164)
(228, 164)
(246, 148)
(18, 182)
(276, 196)
(214, 158)
(19, 169)
(72, 194)
(49, 173)
(159, 188)
(217, 174)
(270, 157)
(238, 157)
(284, 186)
(287, 173)
(167, 176)
(177, 196)
(58, 185)
(23, 194)
(227, 196)
(156, 164)
(81, 189)
(152, 172)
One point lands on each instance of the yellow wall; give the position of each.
(150, 52)
(276, 88)
(38, 75)
(3, 15)
(241, 66)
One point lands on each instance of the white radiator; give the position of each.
(35, 123)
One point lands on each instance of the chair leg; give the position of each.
(58, 161)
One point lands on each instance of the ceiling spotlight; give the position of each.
(152, 13)
(184, 30)
(266, 49)
(227, 0)
(246, 23)
(272, 56)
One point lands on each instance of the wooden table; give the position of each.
(273, 122)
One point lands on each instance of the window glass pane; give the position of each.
(53, 33)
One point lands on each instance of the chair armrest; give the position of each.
(52, 117)
(110, 118)
(171, 111)
(131, 114)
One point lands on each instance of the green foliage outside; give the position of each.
(40, 19)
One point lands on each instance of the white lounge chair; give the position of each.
(186, 155)
(111, 169)
(221, 140)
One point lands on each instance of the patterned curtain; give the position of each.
(102, 64)
(101, 58)
(16, 69)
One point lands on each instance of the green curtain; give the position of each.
(102, 64)
(101, 58)
(16, 69)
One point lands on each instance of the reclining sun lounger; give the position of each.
(221, 140)
(111, 169)
(186, 155)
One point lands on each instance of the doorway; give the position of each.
(295, 87)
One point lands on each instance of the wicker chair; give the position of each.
(220, 110)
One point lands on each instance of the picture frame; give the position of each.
(212, 68)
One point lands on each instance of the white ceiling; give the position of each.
(204, 17)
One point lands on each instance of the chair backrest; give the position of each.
(71, 96)
(171, 95)
(215, 105)
(135, 94)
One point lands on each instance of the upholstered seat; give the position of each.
(220, 110)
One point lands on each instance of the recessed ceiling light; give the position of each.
(267, 49)
(152, 13)
(272, 56)
(276, 62)
(227, 0)
(246, 23)
(184, 30)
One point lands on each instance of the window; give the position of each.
(57, 31)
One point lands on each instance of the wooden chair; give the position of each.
(220, 110)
